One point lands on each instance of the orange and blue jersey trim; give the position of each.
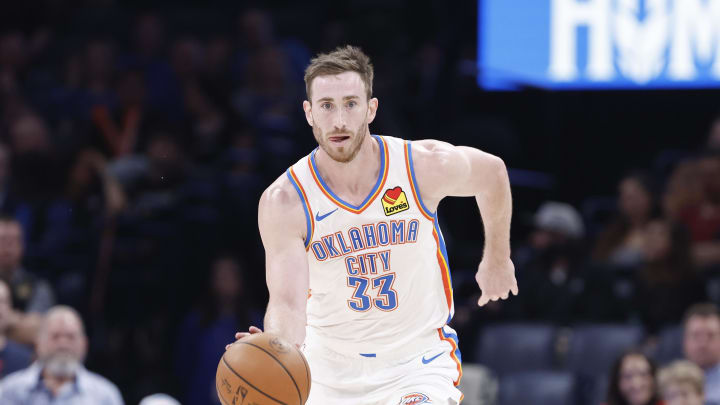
(455, 353)
(355, 209)
(413, 183)
(442, 255)
(309, 221)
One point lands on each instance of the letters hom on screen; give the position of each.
(599, 44)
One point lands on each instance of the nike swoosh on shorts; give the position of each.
(426, 361)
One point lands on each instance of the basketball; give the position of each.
(265, 369)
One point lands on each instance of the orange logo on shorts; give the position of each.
(414, 399)
(394, 201)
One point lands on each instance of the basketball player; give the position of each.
(356, 264)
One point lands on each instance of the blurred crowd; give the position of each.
(645, 258)
(134, 145)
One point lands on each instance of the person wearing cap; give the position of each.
(550, 261)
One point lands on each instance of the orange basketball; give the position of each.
(263, 369)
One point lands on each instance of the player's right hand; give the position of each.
(253, 330)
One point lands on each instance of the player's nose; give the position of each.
(339, 120)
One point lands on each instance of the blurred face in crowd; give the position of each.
(4, 166)
(682, 393)
(185, 56)
(710, 173)
(714, 138)
(702, 340)
(29, 134)
(99, 57)
(635, 200)
(636, 380)
(339, 114)
(149, 34)
(226, 282)
(165, 155)
(13, 51)
(256, 29)
(131, 89)
(81, 174)
(657, 240)
(218, 53)
(267, 72)
(61, 345)
(11, 247)
(5, 307)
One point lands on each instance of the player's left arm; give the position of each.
(444, 170)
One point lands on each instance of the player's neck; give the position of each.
(352, 177)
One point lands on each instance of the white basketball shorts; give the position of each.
(426, 377)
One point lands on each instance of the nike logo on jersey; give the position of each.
(426, 361)
(319, 217)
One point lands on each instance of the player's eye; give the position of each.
(326, 106)
(351, 104)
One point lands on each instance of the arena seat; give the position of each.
(513, 347)
(537, 388)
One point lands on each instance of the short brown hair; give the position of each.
(343, 59)
(681, 371)
(705, 310)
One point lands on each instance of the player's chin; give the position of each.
(341, 155)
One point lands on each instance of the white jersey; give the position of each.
(379, 276)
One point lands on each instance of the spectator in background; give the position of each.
(208, 122)
(75, 222)
(151, 180)
(667, 282)
(148, 41)
(29, 133)
(119, 127)
(682, 383)
(203, 334)
(701, 343)
(31, 295)
(13, 356)
(703, 218)
(268, 97)
(632, 381)
(7, 205)
(58, 376)
(216, 70)
(553, 263)
(684, 189)
(620, 244)
(713, 141)
(35, 173)
(256, 32)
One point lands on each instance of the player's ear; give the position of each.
(307, 107)
(372, 109)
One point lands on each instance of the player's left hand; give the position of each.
(496, 279)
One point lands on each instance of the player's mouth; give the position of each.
(338, 139)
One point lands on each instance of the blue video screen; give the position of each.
(598, 44)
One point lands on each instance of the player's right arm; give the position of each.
(282, 223)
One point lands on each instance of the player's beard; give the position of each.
(342, 154)
(61, 365)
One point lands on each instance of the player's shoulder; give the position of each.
(432, 152)
(280, 194)
(280, 212)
